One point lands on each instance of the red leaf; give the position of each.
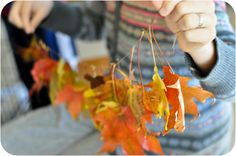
(42, 72)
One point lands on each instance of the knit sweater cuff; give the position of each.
(221, 79)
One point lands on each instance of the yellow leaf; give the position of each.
(157, 79)
(160, 87)
(60, 72)
(53, 88)
(89, 93)
(105, 105)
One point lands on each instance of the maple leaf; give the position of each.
(188, 92)
(53, 87)
(181, 98)
(108, 146)
(175, 119)
(159, 103)
(72, 98)
(42, 72)
(130, 94)
(106, 105)
(151, 143)
(134, 99)
(191, 92)
(119, 129)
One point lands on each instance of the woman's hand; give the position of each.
(194, 23)
(28, 15)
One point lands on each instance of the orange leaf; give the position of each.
(72, 98)
(182, 104)
(151, 143)
(108, 146)
(119, 126)
(36, 50)
(175, 98)
(192, 92)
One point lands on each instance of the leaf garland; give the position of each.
(119, 106)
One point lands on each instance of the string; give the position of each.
(130, 64)
(158, 46)
(113, 82)
(159, 58)
(122, 59)
(150, 40)
(138, 57)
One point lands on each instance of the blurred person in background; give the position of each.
(205, 51)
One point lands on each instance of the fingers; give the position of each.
(188, 7)
(14, 15)
(168, 6)
(36, 20)
(191, 21)
(195, 37)
(25, 16)
(157, 3)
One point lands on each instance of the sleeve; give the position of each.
(83, 20)
(221, 79)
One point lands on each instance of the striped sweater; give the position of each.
(124, 21)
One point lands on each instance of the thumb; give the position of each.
(157, 3)
(168, 6)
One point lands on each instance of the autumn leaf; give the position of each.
(106, 121)
(72, 98)
(175, 119)
(131, 94)
(106, 105)
(191, 92)
(42, 72)
(151, 143)
(181, 104)
(53, 87)
(65, 76)
(95, 81)
(172, 95)
(108, 146)
(134, 102)
(159, 103)
(119, 129)
(35, 51)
